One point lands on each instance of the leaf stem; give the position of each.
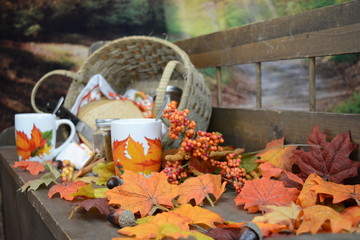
(210, 200)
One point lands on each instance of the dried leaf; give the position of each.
(99, 203)
(47, 178)
(307, 197)
(282, 215)
(249, 162)
(65, 189)
(33, 167)
(198, 166)
(290, 179)
(104, 172)
(90, 192)
(277, 154)
(140, 194)
(265, 191)
(339, 192)
(199, 215)
(352, 214)
(315, 218)
(266, 228)
(200, 187)
(329, 160)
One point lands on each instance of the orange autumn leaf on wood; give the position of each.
(265, 191)
(199, 215)
(32, 166)
(322, 218)
(266, 228)
(277, 154)
(307, 197)
(352, 214)
(200, 187)
(282, 215)
(65, 189)
(141, 194)
(339, 192)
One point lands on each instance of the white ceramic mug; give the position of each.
(35, 135)
(136, 145)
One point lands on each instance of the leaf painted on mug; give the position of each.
(130, 155)
(38, 145)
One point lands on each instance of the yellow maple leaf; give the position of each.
(277, 154)
(282, 215)
(104, 171)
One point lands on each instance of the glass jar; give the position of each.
(102, 139)
(172, 93)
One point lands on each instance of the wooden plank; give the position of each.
(320, 32)
(254, 128)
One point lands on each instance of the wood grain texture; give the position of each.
(320, 32)
(254, 128)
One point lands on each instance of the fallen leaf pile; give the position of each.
(298, 189)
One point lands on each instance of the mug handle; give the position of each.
(69, 139)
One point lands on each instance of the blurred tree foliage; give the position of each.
(25, 19)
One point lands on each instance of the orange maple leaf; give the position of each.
(307, 197)
(26, 147)
(265, 191)
(199, 215)
(200, 187)
(352, 214)
(277, 154)
(266, 228)
(316, 218)
(66, 189)
(32, 166)
(130, 155)
(339, 192)
(141, 194)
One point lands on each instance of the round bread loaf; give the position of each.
(108, 109)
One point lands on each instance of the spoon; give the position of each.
(58, 105)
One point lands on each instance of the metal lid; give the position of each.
(103, 122)
(173, 90)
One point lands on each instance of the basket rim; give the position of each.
(183, 55)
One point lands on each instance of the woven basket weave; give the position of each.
(143, 63)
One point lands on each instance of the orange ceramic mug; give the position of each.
(136, 145)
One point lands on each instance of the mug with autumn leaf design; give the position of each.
(35, 136)
(136, 145)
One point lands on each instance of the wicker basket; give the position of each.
(147, 64)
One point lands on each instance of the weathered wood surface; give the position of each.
(253, 128)
(32, 215)
(320, 32)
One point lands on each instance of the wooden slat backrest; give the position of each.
(324, 31)
(320, 32)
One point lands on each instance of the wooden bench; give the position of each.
(321, 32)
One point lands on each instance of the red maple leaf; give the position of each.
(32, 166)
(99, 203)
(265, 191)
(65, 189)
(330, 160)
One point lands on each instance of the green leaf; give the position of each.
(104, 171)
(48, 136)
(248, 161)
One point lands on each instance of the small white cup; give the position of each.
(136, 145)
(35, 135)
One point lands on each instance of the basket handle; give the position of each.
(164, 81)
(65, 73)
